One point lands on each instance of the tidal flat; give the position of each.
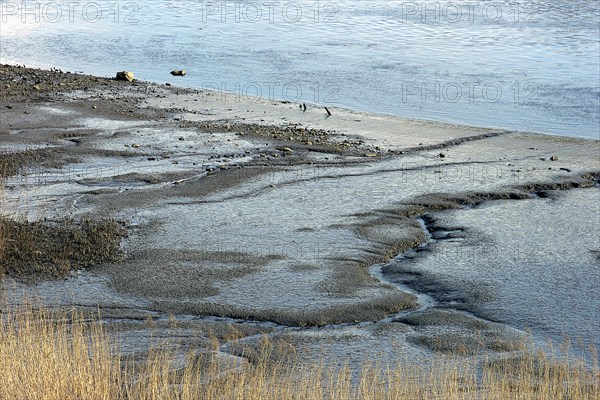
(351, 236)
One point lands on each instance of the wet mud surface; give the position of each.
(259, 218)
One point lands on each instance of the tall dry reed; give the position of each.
(61, 355)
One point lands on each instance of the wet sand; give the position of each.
(259, 215)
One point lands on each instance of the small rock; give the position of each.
(135, 145)
(309, 143)
(151, 158)
(178, 72)
(181, 138)
(125, 76)
(442, 155)
(285, 149)
(37, 87)
(565, 169)
(94, 107)
(370, 154)
(554, 158)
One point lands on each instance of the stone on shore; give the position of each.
(125, 76)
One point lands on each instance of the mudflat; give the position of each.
(216, 211)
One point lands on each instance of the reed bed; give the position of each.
(57, 355)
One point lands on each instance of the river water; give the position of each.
(520, 65)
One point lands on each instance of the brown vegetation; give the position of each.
(11, 163)
(53, 355)
(52, 249)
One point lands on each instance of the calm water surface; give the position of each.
(528, 66)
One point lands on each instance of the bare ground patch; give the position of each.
(186, 274)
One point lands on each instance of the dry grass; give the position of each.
(56, 356)
(52, 249)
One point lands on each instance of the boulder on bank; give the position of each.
(178, 72)
(124, 76)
